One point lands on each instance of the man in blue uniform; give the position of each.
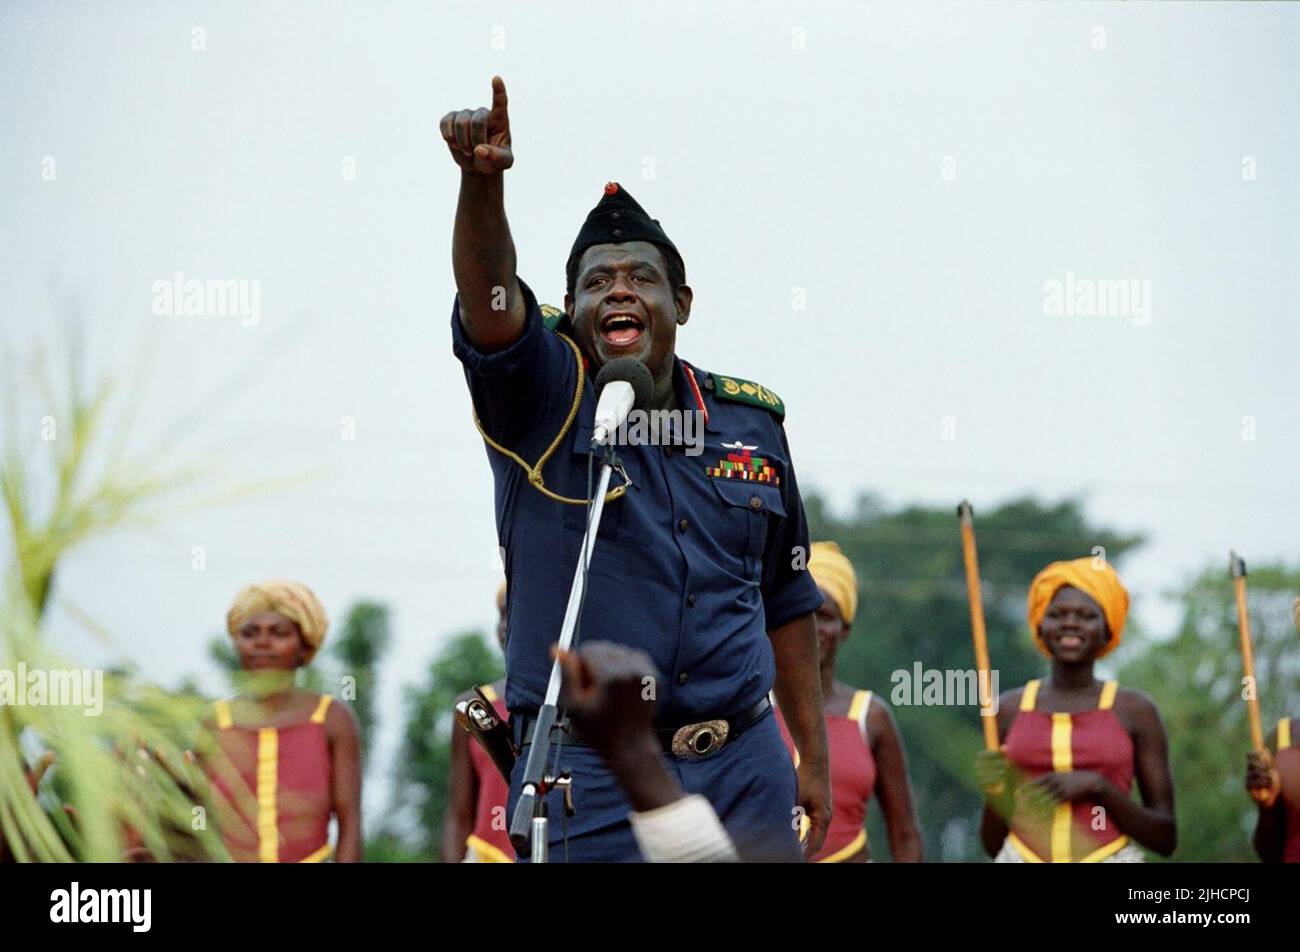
(700, 563)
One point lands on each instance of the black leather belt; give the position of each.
(689, 741)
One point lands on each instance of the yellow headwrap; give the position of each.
(286, 597)
(1092, 576)
(834, 575)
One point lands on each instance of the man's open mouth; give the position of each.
(621, 329)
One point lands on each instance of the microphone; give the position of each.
(623, 384)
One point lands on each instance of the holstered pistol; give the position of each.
(479, 717)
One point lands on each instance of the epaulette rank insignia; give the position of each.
(746, 391)
(551, 316)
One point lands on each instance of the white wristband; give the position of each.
(685, 831)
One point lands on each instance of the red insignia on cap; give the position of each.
(611, 188)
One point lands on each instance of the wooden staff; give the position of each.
(965, 514)
(1237, 566)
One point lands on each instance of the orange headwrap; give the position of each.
(834, 575)
(286, 597)
(1095, 578)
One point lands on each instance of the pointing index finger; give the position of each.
(499, 100)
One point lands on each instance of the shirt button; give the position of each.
(615, 215)
(681, 678)
(618, 233)
(755, 502)
(690, 600)
(682, 524)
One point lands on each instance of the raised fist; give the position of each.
(608, 692)
(1262, 779)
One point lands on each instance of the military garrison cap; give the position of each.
(619, 217)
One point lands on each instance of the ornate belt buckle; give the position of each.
(700, 740)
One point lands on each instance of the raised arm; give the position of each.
(482, 251)
(603, 692)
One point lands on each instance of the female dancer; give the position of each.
(474, 828)
(283, 761)
(867, 755)
(1058, 789)
(1277, 828)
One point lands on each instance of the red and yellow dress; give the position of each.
(489, 841)
(853, 778)
(1040, 742)
(1287, 762)
(271, 787)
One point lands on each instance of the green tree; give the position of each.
(913, 609)
(424, 761)
(79, 476)
(363, 642)
(222, 654)
(1196, 680)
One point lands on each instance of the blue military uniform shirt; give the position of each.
(690, 566)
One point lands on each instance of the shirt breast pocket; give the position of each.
(750, 509)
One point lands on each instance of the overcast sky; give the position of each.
(870, 200)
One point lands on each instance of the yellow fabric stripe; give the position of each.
(268, 765)
(319, 856)
(1108, 695)
(841, 855)
(1096, 856)
(222, 710)
(1023, 849)
(487, 853)
(489, 693)
(1099, 854)
(858, 704)
(858, 710)
(1062, 756)
(318, 715)
(1062, 762)
(1284, 733)
(1030, 696)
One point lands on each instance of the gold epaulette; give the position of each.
(746, 391)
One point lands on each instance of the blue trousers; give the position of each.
(750, 782)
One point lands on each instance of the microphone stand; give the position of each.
(529, 823)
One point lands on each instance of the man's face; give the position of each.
(623, 306)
